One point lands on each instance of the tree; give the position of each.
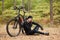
(51, 11)
(22, 2)
(2, 5)
(14, 3)
(29, 5)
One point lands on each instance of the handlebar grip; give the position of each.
(21, 7)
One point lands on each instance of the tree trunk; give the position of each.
(22, 2)
(51, 12)
(14, 3)
(29, 5)
(2, 6)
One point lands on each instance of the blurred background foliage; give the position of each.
(40, 10)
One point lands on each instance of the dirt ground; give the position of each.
(54, 34)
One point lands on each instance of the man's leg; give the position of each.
(41, 32)
(35, 30)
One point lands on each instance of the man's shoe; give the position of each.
(46, 34)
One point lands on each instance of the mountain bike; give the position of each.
(14, 27)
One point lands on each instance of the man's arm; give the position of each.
(37, 25)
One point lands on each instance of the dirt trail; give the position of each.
(54, 35)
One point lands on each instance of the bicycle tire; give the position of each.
(8, 29)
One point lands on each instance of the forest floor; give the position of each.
(54, 34)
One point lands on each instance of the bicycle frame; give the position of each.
(19, 19)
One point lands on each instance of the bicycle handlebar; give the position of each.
(18, 8)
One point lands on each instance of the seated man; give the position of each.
(28, 24)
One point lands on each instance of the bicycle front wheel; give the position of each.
(13, 28)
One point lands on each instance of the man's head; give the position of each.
(29, 19)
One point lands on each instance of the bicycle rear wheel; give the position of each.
(13, 28)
